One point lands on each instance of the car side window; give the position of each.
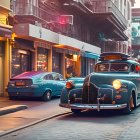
(48, 77)
(61, 78)
(132, 68)
(56, 76)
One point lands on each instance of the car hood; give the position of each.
(106, 78)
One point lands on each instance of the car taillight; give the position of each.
(69, 84)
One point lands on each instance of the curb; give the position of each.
(33, 123)
(11, 109)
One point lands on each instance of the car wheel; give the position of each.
(75, 111)
(46, 96)
(130, 106)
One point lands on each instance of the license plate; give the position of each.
(20, 83)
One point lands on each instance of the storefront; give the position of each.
(72, 68)
(5, 36)
(56, 61)
(42, 59)
(22, 56)
(21, 60)
(88, 61)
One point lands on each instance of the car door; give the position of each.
(59, 82)
(50, 83)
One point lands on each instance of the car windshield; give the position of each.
(112, 67)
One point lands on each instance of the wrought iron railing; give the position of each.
(23, 8)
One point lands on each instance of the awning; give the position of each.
(90, 55)
(4, 32)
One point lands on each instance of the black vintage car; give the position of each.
(115, 84)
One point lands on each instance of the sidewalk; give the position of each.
(7, 106)
(37, 112)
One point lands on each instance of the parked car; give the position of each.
(115, 84)
(36, 84)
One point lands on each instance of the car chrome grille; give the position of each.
(105, 95)
(90, 94)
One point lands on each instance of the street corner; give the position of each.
(12, 109)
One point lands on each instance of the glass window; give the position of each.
(61, 78)
(56, 62)
(119, 67)
(20, 61)
(48, 77)
(102, 67)
(56, 76)
(42, 59)
(112, 67)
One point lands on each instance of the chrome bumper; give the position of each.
(94, 106)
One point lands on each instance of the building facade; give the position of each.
(88, 28)
(50, 36)
(135, 50)
(5, 44)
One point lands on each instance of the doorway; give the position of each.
(1, 68)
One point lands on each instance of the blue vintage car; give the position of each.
(36, 84)
(115, 84)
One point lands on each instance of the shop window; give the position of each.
(42, 59)
(70, 66)
(20, 61)
(56, 62)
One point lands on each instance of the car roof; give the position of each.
(31, 74)
(129, 61)
(113, 56)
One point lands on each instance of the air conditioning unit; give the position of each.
(38, 24)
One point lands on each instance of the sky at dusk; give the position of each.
(137, 4)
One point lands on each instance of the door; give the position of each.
(2, 44)
(1, 76)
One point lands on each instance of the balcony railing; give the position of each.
(105, 6)
(23, 8)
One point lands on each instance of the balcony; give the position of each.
(27, 12)
(103, 14)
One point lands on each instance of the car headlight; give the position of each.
(117, 84)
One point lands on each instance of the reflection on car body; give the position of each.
(115, 84)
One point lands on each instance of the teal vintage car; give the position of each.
(115, 84)
(36, 84)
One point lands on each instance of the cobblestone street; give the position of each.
(86, 126)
